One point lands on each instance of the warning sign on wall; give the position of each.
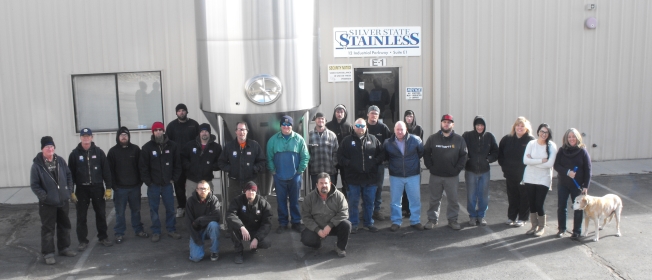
(340, 73)
(414, 93)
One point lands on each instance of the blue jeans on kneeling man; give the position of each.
(212, 232)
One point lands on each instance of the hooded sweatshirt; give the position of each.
(123, 162)
(413, 128)
(342, 129)
(482, 148)
(200, 214)
(317, 213)
(567, 159)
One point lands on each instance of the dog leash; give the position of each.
(576, 184)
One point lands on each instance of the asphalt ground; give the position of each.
(495, 251)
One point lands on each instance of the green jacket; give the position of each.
(287, 158)
(317, 214)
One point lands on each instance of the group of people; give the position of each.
(181, 159)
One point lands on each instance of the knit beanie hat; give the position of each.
(181, 106)
(158, 125)
(47, 140)
(250, 186)
(205, 126)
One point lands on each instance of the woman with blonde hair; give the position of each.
(539, 158)
(510, 158)
(573, 166)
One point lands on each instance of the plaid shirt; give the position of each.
(323, 152)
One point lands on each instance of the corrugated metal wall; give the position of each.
(498, 58)
(503, 59)
(43, 42)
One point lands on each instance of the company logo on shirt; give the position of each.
(445, 146)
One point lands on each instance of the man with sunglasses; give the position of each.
(361, 154)
(160, 165)
(287, 158)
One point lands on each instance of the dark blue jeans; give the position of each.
(379, 187)
(368, 193)
(120, 199)
(562, 206)
(284, 189)
(154, 195)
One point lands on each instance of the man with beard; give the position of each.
(445, 157)
(90, 172)
(287, 158)
(360, 154)
(381, 132)
(203, 213)
(250, 219)
(325, 212)
(323, 146)
(123, 162)
(160, 165)
(51, 182)
(242, 159)
(199, 159)
(181, 131)
(341, 128)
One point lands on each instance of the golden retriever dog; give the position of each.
(596, 208)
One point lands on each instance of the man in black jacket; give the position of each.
(250, 219)
(181, 131)
(444, 155)
(483, 150)
(123, 161)
(51, 182)
(199, 159)
(160, 165)
(203, 211)
(381, 132)
(90, 172)
(242, 159)
(360, 154)
(341, 128)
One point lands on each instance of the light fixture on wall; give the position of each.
(591, 23)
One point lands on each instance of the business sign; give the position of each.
(377, 41)
(340, 73)
(414, 93)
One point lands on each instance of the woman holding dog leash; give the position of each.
(573, 166)
(539, 158)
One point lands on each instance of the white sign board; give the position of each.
(414, 93)
(376, 41)
(340, 73)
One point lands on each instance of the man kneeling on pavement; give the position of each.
(203, 212)
(325, 212)
(250, 219)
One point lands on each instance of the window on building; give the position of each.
(105, 102)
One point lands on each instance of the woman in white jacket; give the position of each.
(539, 159)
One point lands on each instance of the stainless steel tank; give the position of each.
(258, 61)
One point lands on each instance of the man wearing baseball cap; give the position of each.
(90, 172)
(287, 158)
(250, 219)
(445, 157)
(381, 132)
(160, 165)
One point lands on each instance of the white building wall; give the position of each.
(504, 59)
(42, 43)
(497, 58)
